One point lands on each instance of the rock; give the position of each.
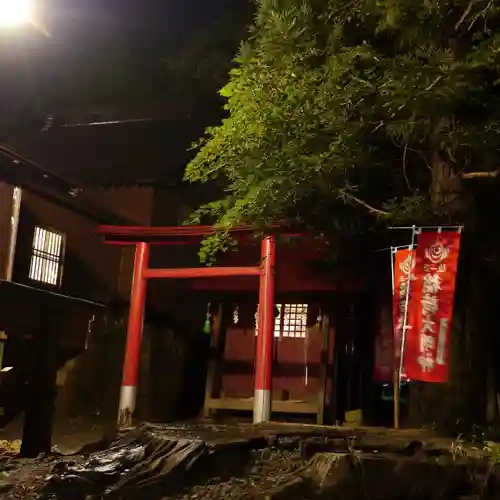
(414, 448)
(289, 488)
(411, 478)
(5, 486)
(292, 488)
(377, 477)
(492, 483)
(310, 446)
(330, 471)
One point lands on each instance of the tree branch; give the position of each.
(480, 175)
(404, 167)
(366, 205)
(464, 15)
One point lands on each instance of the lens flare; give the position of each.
(16, 12)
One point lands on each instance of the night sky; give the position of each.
(92, 37)
(146, 27)
(106, 54)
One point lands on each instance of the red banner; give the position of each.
(426, 356)
(389, 332)
(404, 266)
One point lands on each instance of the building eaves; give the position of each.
(114, 153)
(18, 170)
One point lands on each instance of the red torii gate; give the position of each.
(143, 238)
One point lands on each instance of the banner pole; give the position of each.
(450, 227)
(399, 369)
(395, 375)
(407, 300)
(393, 249)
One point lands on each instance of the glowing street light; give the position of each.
(16, 12)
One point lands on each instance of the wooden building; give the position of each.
(56, 276)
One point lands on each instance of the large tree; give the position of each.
(347, 114)
(376, 108)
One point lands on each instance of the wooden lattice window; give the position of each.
(290, 322)
(46, 256)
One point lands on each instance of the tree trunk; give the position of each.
(446, 192)
(461, 401)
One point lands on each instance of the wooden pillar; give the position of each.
(265, 337)
(325, 332)
(41, 389)
(130, 376)
(214, 363)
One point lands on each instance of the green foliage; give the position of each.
(494, 452)
(339, 111)
(213, 245)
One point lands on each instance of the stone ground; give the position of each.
(24, 478)
(70, 434)
(243, 462)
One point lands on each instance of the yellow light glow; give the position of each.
(16, 12)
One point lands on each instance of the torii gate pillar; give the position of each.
(130, 376)
(265, 338)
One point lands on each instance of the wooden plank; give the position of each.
(246, 404)
(213, 362)
(326, 331)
